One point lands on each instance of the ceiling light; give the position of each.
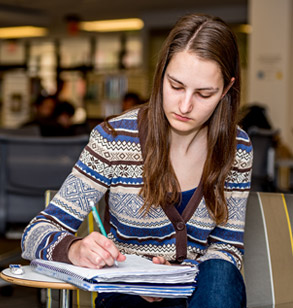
(20, 32)
(112, 25)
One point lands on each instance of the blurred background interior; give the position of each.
(66, 65)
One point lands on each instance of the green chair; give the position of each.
(79, 298)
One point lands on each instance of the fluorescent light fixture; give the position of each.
(19, 32)
(112, 25)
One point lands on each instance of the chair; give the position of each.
(79, 298)
(28, 167)
(31, 130)
(268, 258)
(263, 142)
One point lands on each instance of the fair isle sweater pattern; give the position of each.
(114, 164)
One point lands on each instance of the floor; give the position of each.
(12, 296)
(17, 296)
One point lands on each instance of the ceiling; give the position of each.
(51, 13)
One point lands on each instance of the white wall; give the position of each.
(271, 61)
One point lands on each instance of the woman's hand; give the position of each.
(94, 251)
(160, 260)
(156, 260)
(152, 299)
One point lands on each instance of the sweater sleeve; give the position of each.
(50, 234)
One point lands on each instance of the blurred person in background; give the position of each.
(65, 125)
(130, 99)
(63, 116)
(43, 113)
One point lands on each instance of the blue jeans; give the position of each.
(219, 285)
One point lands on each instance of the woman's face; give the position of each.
(192, 88)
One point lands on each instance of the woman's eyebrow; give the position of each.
(174, 79)
(198, 89)
(208, 89)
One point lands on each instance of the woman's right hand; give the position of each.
(94, 251)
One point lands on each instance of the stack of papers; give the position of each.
(136, 275)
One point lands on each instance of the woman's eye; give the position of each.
(175, 87)
(204, 95)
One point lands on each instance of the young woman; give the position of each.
(176, 172)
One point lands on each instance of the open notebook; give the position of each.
(136, 275)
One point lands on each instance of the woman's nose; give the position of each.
(186, 104)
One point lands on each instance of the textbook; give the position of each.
(136, 275)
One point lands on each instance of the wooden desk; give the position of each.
(36, 280)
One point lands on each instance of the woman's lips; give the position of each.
(181, 118)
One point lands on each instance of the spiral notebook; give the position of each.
(136, 275)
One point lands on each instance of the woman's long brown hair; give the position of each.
(211, 39)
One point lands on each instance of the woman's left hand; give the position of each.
(156, 260)
(152, 299)
(160, 260)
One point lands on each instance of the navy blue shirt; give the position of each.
(185, 197)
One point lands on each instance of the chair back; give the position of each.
(263, 142)
(268, 258)
(28, 167)
(31, 130)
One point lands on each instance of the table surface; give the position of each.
(32, 279)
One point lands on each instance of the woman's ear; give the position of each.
(228, 87)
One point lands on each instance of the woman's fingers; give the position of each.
(76, 256)
(152, 299)
(121, 257)
(95, 251)
(107, 250)
(160, 260)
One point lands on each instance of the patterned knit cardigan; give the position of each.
(114, 164)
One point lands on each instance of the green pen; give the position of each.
(99, 222)
(98, 219)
